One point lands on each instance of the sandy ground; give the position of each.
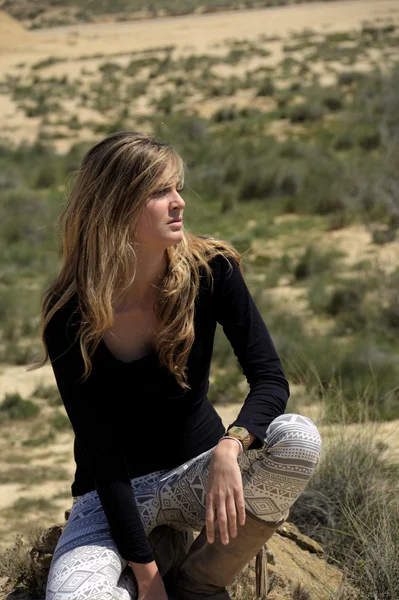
(190, 33)
(208, 33)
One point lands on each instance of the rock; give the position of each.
(292, 532)
(295, 567)
(40, 566)
(300, 563)
(49, 538)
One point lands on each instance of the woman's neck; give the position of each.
(151, 268)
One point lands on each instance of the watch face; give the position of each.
(239, 432)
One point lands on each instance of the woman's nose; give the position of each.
(178, 200)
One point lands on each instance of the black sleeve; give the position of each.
(91, 412)
(250, 339)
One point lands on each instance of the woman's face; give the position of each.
(161, 221)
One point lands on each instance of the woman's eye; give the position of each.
(161, 192)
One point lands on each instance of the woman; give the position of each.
(129, 325)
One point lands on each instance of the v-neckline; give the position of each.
(123, 362)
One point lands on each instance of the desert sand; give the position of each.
(188, 33)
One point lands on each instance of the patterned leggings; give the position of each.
(86, 563)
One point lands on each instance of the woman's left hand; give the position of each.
(225, 492)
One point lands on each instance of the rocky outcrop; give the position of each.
(291, 566)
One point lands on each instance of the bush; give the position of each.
(314, 261)
(225, 113)
(41, 440)
(266, 88)
(255, 184)
(16, 408)
(21, 572)
(109, 68)
(351, 507)
(49, 393)
(369, 141)
(350, 77)
(333, 102)
(344, 141)
(344, 299)
(60, 422)
(301, 113)
(384, 236)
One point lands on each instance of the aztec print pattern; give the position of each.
(87, 565)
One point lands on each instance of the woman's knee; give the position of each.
(294, 435)
(85, 572)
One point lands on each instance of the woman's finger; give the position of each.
(222, 521)
(210, 519)
(240, 505)
(232, 515)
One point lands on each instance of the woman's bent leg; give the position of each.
(86, 563)
(275, 475)
(273, 478)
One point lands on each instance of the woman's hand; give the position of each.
(224, 494)
(149, 581)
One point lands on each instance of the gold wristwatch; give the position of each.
(241, 434)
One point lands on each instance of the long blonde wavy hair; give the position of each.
(94, 230)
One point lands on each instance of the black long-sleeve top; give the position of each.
(131, 419)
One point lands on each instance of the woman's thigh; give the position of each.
(86, 563)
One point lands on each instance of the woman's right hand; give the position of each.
(149, 581)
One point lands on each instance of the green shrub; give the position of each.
(60, 422)
(109, 68)
(225, 113)
(47, 62)
(384, 236)
(28, 504)
(344, 141)
(16, 408)
(313, 261)
(49, 393)
(41, 440)
(300, 113)
(344, 299)
(318, 294)
(355, 516)
(165, 103)
(266, 88)
(333, 102)
(256, 185)
(350, 77)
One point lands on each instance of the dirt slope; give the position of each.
(12, 33)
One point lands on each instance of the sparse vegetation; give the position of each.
(49, 393)
(278, 161)
(60, 422)
(14, 407)
(355, 517)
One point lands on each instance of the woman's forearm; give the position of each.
(144, 571)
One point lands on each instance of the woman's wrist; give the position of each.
(230, 445)
(144, 571)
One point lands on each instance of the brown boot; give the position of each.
(209, 568)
